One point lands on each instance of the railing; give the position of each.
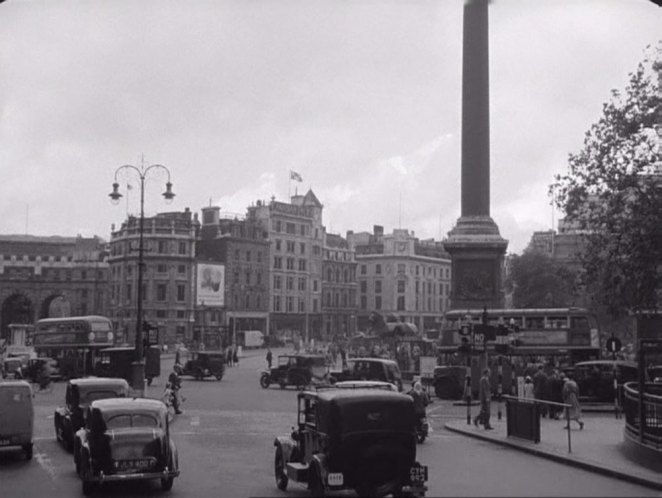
(647, 409)
(513, 420)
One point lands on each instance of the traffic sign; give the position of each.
(465, 329)
(614, 345)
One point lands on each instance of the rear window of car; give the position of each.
(126, 420)
(94, 395)
(376, 416)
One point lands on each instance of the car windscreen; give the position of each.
(126, 420)
(88, 397)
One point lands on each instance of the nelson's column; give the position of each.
(475, 245)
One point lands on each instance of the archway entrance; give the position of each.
(17, 308)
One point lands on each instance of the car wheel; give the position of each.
(88, 486)
(166, 483)
(28, 451)
(264, 380)
(279, 470)
(282, 384)
(219, 376)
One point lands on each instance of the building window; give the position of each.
(236, 254)
(128, 292)
(278, 262)
(364, 286)
(290, 246)
(289, 283)
(302, 305)
(161, 313)
(248, 277)
(235, 276)
(181, 269)
(277, 282)
(278, 244)
(401, 286)
(378, 302)
(401, 268)
(278, 226)
(161, 291)
(181, 292)
(161, 268)
(182, 248)
(248, 255)
(378, 269)
(364, 302)
(290, 228)
(401, 303)
(364, 269)
(317, 250)
(302, 247)
(181, 314)
(378, 286)
(289, 300)
(314, 285)
(258, 278)
(303, 230)
(259, 256)
(163, 247)
(302, 265)
(247, 301)
(276, 303)
(315, 305)
(302, 284)
(290, 263)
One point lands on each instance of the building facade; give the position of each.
(401, 275)
(296, 236)
(339, 297)
(242, 247)
(42, 277)
(168, 289)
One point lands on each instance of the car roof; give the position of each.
(608, 362)
(302, 355)
(99, 382)
(344, 396)
(14, 383)
(363, 384)
(207, 352)
(375, 360)
(128, 404)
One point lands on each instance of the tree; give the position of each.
(538, 281)
(612, 193)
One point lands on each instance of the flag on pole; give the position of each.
(295, 176)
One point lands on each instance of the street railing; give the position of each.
(651, 402)
(515, 401)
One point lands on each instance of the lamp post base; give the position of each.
(138, 378)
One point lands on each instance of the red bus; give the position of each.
(73, 341)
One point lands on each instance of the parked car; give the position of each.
(201, 364)
(68, 419)
(16, 416)
(299, 370)
(116, 362)
(595, 379)
(370, 369)
(125, 439)
(10, 367)
(358, 439)
(36, 365)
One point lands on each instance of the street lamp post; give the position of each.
(138, 366)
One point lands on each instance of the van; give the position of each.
(16, 416)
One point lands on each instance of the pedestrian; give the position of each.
(485, 396)
(235, 355)
(528, 388)
(540, 386)
(228, 354)
(555, 394)
(269, 358)
(571, 397)
(175, 384)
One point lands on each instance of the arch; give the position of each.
(55, 305)
(16, 308)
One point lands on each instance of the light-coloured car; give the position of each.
(366, 384)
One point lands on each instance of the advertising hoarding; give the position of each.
(210, 287)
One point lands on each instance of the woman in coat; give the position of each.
(571, 397)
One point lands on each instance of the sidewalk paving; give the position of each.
(600, 447)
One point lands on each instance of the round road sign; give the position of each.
(614, 345)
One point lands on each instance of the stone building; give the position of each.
(43, 277)
(168, 275)
(296, 238)
(242, 247)
(401, 275)
(338, 288)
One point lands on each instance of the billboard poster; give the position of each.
(210, 288)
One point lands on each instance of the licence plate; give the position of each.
(5, 442)
(335, 479)
(138, 464)
(418, 474)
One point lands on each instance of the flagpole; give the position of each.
(289, 187)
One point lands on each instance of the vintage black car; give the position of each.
(79, 394)
(360, 439)
(299, 370)
(116, 362)
(370, 369)
(35, 368)
(125, 439)
(595, 379)
(201, 364)
(449, 381)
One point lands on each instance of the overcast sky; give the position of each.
(361, 97)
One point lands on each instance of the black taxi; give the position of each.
(78, 395)
(125, 439)
(362, 439)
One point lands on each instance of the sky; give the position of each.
(362, 98)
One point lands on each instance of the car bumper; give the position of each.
(134, 476)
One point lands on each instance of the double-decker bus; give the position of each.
(73, 341)
(569, 335)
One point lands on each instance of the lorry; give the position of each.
(252, 339)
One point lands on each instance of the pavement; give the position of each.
(600, 447)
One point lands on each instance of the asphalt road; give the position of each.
(225, 441)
